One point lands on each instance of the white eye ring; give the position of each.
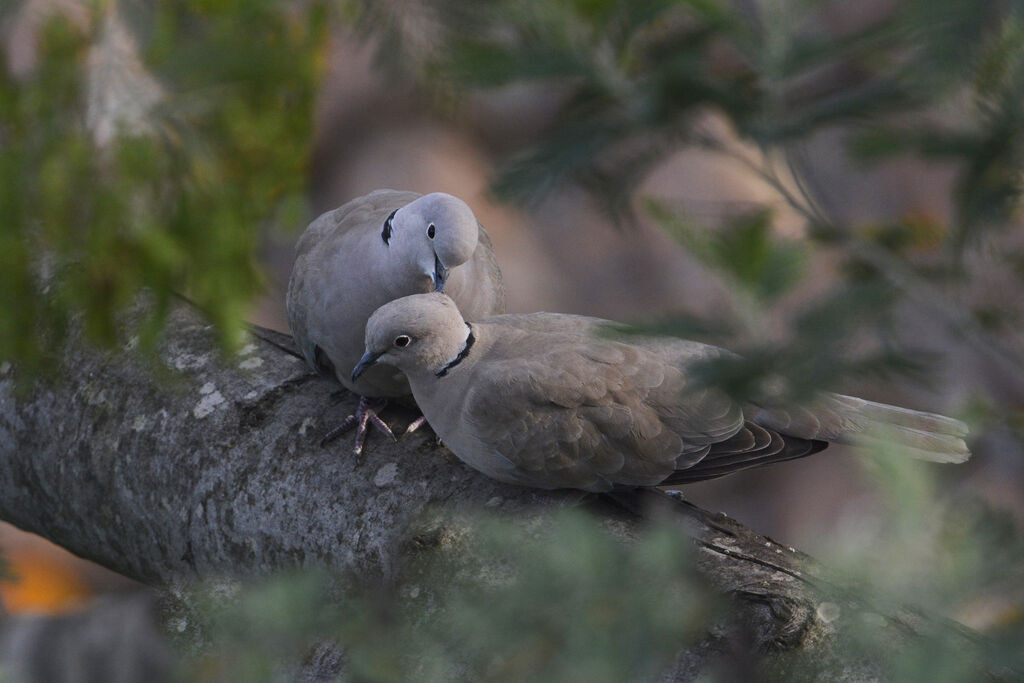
(431, 231)
(402, 340)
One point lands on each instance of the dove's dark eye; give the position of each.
(402, 340)
(431, 231)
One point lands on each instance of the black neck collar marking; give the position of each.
(462, 354)
(385, 234)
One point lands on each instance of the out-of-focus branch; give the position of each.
(795, 193)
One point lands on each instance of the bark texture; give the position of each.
(219, 471)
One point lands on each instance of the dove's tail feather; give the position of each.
(776, 435)
(926, 436)
(847, 419)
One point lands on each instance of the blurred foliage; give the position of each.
(143, 150)
(849, 331)
(955, 557)
(744, 249)
(568, 600)
(494, 601)
(251, 632)
(640, 76)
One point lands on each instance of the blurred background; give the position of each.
(831, 189)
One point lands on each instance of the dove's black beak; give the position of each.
(368, 359)
(440, 275)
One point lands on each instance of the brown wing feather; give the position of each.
(767, 447)
(592, 413)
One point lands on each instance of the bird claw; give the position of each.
(347, 424)
(416, 424)
(365, 415)
(420, 422)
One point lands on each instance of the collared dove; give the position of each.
(546, 400)
(376, 248)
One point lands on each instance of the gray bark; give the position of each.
(219, 471)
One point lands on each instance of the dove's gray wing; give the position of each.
(588, 413)
(329, 271)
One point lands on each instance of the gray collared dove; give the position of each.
(546, 400)
(376, 248)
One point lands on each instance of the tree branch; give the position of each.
(219, 472)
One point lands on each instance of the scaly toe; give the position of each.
(381, 425)
(365, 415)
(347, 424)
(416, 424)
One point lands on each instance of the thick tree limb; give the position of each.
(219, 472)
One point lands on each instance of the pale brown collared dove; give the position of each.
(546, 400)
(376, 248)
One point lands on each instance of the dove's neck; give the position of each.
(467, 346)
(406, 277)
(442, 387)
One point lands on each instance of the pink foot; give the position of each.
(365, 415)
(416, 424)
(419, 422)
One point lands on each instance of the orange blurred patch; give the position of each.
(40, 584)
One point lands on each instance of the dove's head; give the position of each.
(417, 332)
(434, 233)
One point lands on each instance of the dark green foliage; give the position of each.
(956, 557)
(200, 140)
(761, 265)
(486, 599)
(985, 139)
(637, 74)
(492, 601)
(258, 630)
(569, 603)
